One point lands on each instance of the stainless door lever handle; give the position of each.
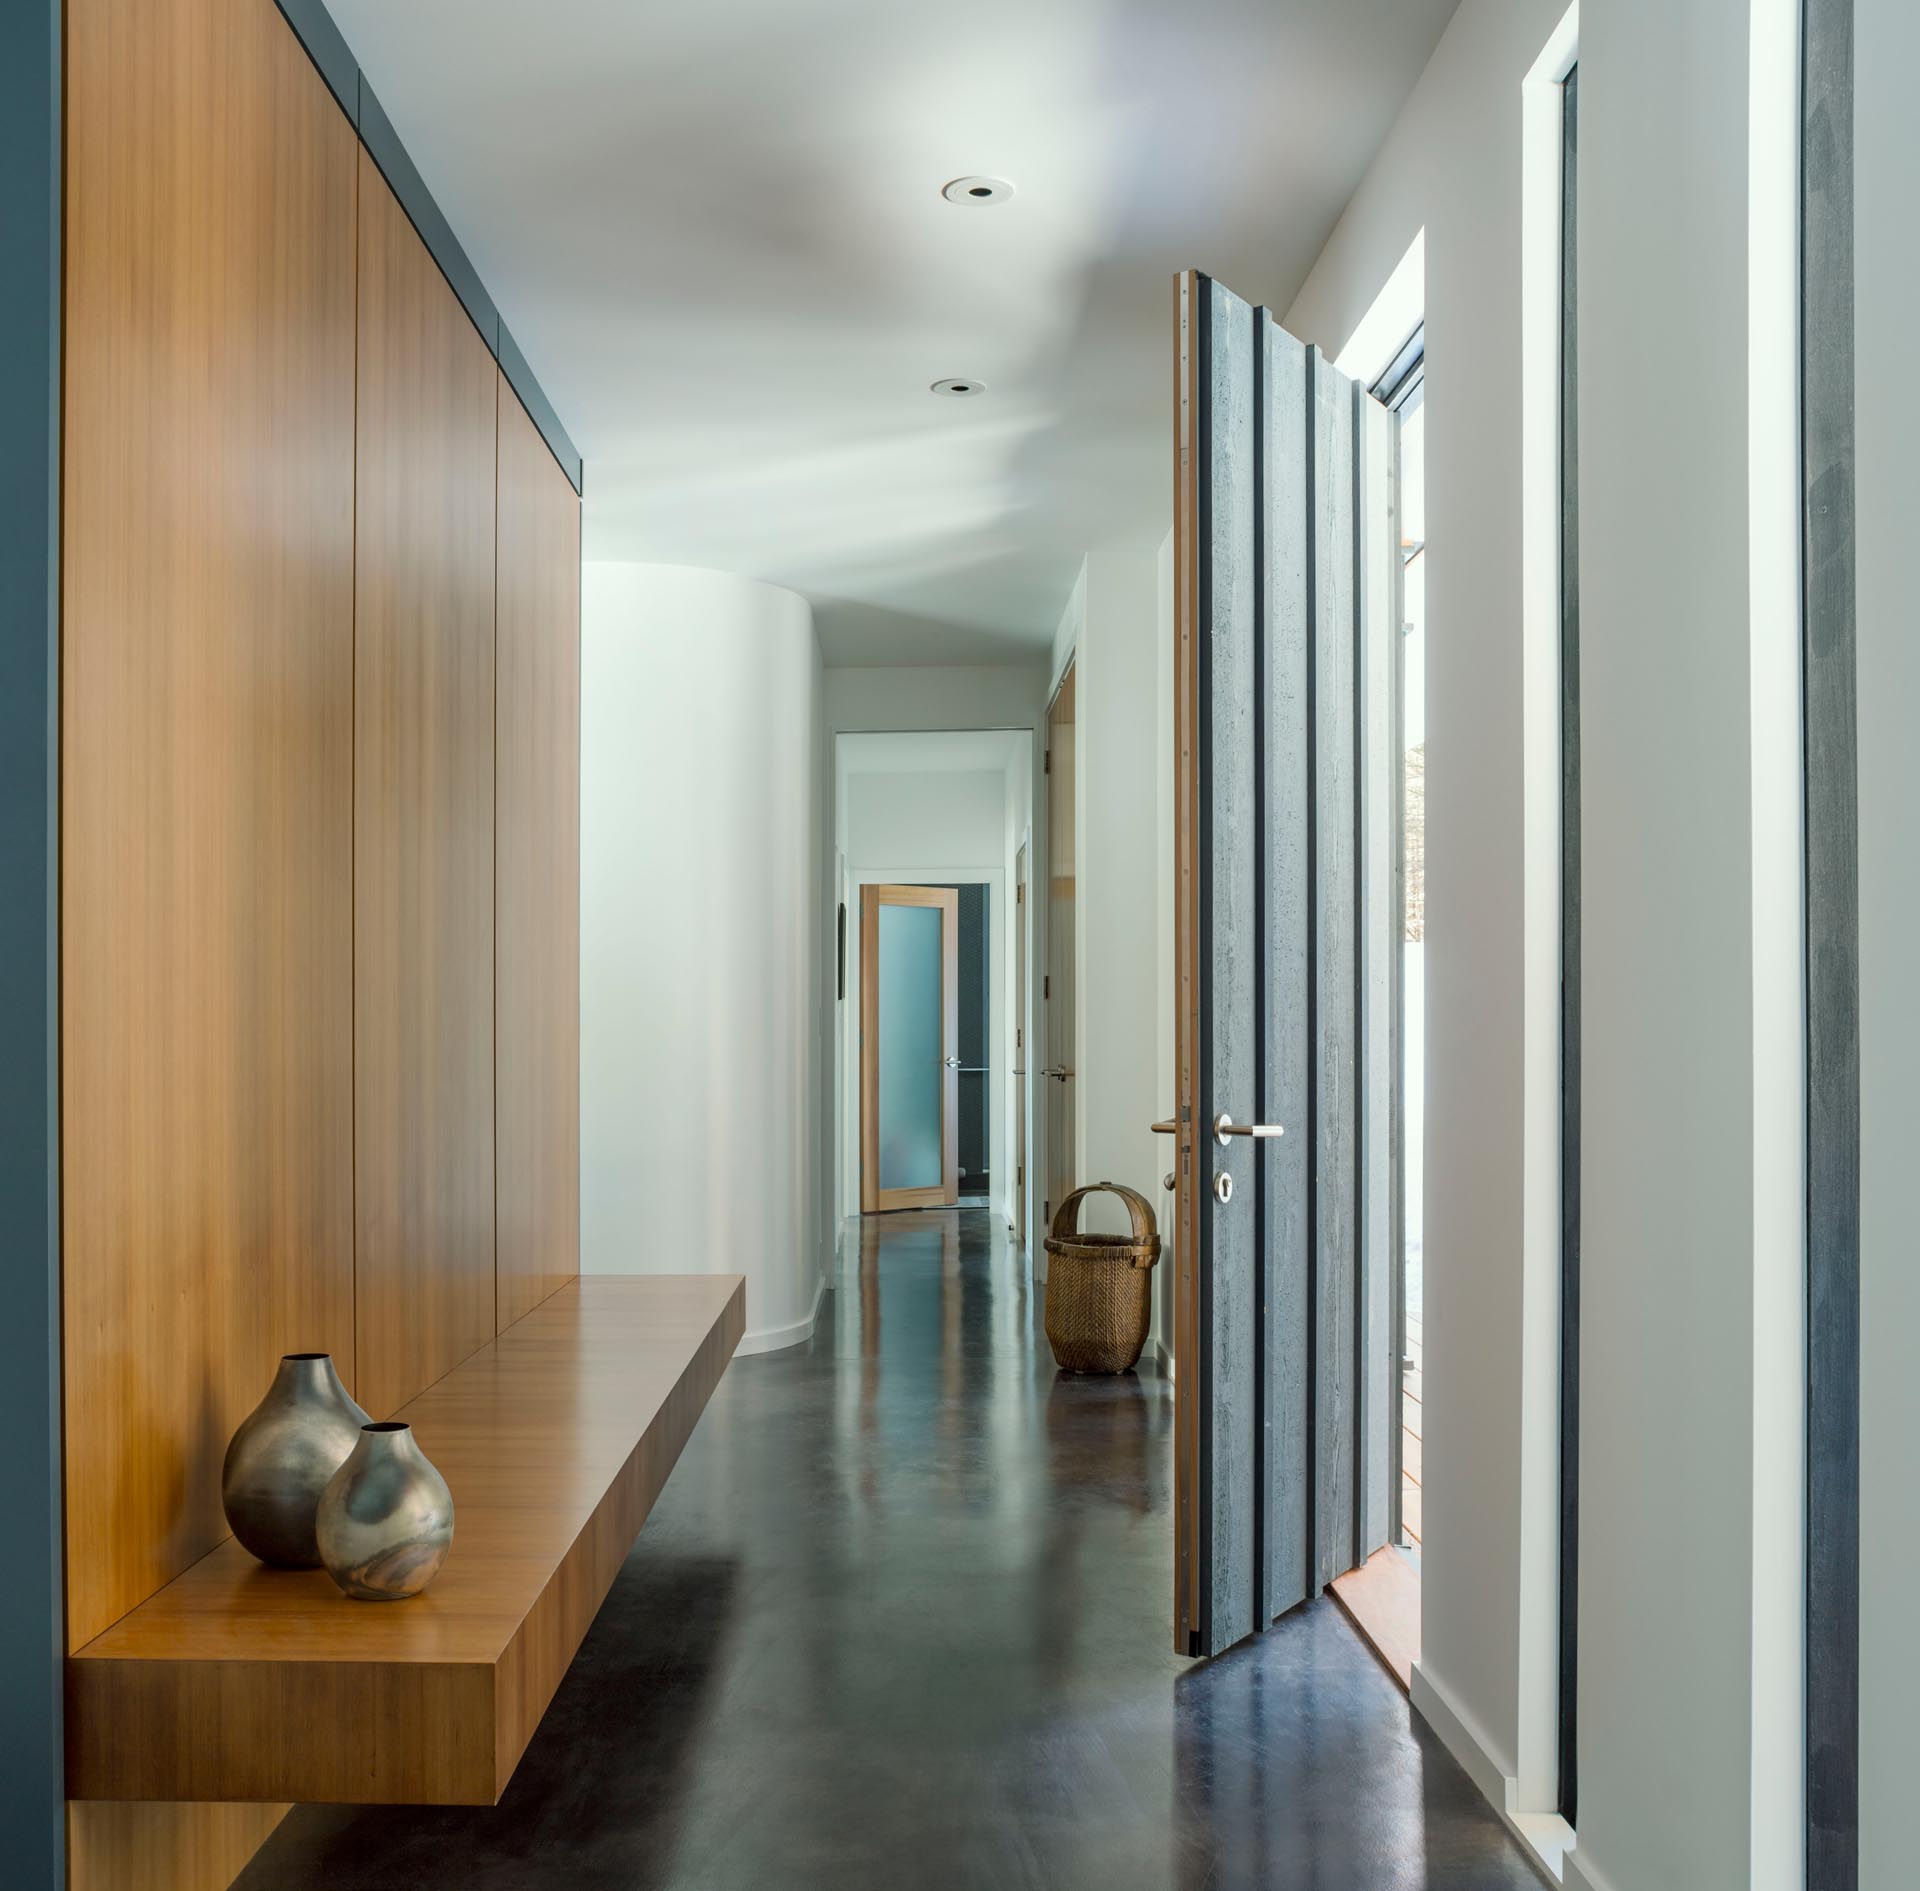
(1224, 1126)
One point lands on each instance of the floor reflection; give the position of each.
(901, 1618)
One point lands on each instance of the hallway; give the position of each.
(900, 1619)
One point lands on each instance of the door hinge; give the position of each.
(1020, 895)
(1046, 1211)
(1020, 1175)
(1046, 766)
(1019, 1038)
(1046, 986)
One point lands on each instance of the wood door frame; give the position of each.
(1187, 1533)
(873, 1198)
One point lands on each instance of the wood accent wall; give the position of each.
(278, 810)
(423, 817)
(537, 870)
(207, 738)
(207, 762)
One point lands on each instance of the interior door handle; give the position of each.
(1224, 1126)
(1059, 1073)
(1168, 1128)
(952, 1063)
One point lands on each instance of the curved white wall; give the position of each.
(704, 787)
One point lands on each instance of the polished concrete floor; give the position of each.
(900, 1619)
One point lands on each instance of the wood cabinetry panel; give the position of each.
(207, 755)
(537, 868)
(423, 817)
(154, 1845)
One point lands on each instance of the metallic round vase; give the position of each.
(386, 1520)
(282, 1457)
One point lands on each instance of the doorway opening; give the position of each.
(932, 833)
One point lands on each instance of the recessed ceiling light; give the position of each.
(978, 192)
(959, 387)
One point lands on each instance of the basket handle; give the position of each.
(1066, 1218)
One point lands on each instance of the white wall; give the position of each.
(1452, 167)
(925, 819)
(1688, 1755)
(703, 1060)
(993, 697)
(1117, 974)
(1887, 161)
(1691, 1126)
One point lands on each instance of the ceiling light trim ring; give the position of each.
(977, 193)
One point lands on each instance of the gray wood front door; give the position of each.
(1286, 955)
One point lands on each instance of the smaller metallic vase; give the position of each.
(282, 1457)
(386, 1520)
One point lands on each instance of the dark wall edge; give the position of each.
(313, 27)
(383, 145)
(533, 397)
(333, 59)
(33, 1625)
(1832, 962)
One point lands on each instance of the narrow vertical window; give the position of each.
(1569, 946)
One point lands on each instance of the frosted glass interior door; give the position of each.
(909, 1047)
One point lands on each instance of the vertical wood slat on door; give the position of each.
(1189, 1495)
(1286, 909)
(1335, 1005)
(1230, 933)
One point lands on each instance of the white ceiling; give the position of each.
(715, 228)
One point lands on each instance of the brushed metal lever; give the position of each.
(1168, 1128)
(1224, 1126)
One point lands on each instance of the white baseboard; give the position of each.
(1585, 1876)
(773, 1339)
(1548, 1838)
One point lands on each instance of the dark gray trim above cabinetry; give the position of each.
(513, 364)
(333, 58)
(326, 46)
(1832, 968)
(32, 1626)
(384, 147)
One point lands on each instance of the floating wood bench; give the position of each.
(239, 1682)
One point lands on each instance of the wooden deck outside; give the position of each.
(1383, 1594)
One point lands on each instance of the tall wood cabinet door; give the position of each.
(207, 756)
(423, 817)
(537, 867)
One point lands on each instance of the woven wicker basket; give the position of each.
(1100, 1286)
